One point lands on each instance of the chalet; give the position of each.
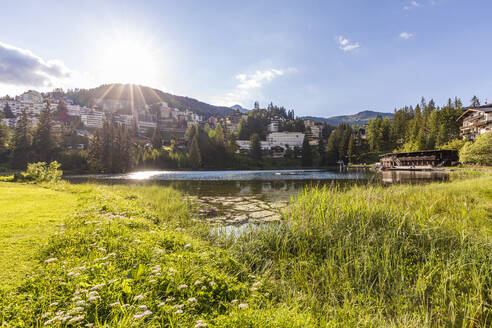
(419, 159)
(476, 121)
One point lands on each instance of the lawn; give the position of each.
(28, 215)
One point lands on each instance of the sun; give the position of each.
(128, 60)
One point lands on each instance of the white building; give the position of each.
(276, 140)
(93, 119)
(283, 139)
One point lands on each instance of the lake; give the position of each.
(237, 197)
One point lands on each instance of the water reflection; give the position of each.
(413, 177)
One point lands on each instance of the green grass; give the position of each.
(400, 256)
(28, 216)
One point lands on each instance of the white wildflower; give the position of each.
(142, 307)
(54, 304)
(53, 259)
(138, 298)
(161, 304)
(76, 310)
(170, 299)
(243, 306)
(234, 301)
(204, 287)
(212, 283)
(187, 246)
(178, 311)
(200, 323)
(97, 287)
(256, 284)
(251, 276)
(114, 304)
(198, 282)
(75, 319)
(178, 306)
(183, 286)
(124, 306)
(80, 303)
(192, 300)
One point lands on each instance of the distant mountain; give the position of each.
(125, 97)
(360, 118)
(240, 108)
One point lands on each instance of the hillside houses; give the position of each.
(476, 121)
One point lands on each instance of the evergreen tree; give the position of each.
(22, 142)
(307, 153)
(95, 152)
(322, 153)
(255, 146)
(243, 130)
(61, 112)
(156, 139)
(475, 102)
(7, 111)
(44, 138)
(350, 149)
(4, 139)
(195, 156)
(219, 136)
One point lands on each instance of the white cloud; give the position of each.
(406, 35)
(248, 84)
(412, 4)
(346, 45)
(20, 67)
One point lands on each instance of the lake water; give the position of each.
(237, 197)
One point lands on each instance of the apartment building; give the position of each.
(476, 121)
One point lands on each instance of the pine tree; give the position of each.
(7, 111)
(95, 152)
(195, 156)
(156, 139)
(22, 142)
(243, 130)
(322, 153)
(255, 146)
(475, 102)
(307, 153)
(350, 150)
(219, 136)
(4, 139)
(44, 138)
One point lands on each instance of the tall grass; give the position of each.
(372, 256)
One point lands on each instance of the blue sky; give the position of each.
(319, 58)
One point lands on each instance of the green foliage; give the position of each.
(4, 140)
(22, 142)
(361, 256)
(307, 153)
(44, 140)
(156, 139)
(255, 146)
(478, 152)
(195, 156)
(43, 172)
(455, 144)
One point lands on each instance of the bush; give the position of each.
(478, 152)
(455, 144)
(42, 172)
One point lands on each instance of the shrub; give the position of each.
(42, 172)
(455, 144)
(478, 152)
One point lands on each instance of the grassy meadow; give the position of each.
(368, 256)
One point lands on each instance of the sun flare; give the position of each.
(129, 60)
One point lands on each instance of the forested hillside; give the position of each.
(141, 96)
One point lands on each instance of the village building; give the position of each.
(419, 159)
(476, 121)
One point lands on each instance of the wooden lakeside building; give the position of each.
(418, 160)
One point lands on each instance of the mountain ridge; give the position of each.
(136, 96)
(360, 118)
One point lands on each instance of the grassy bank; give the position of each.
(402, 256)
(28, 216)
